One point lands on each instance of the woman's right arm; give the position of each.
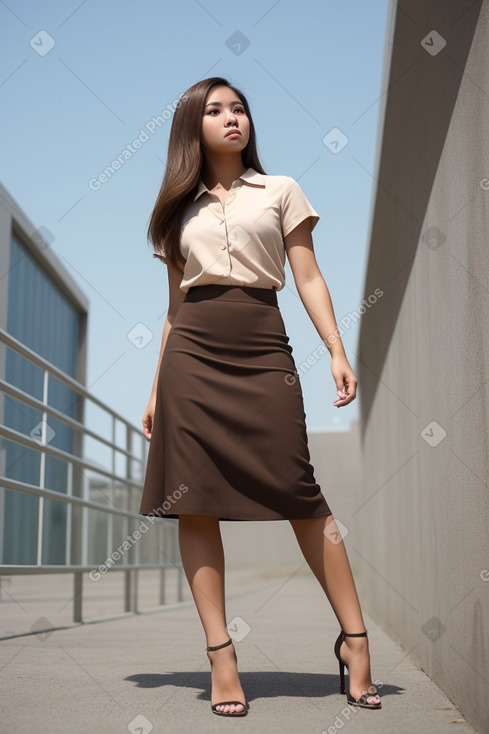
(176, 298)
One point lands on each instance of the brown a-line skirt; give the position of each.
(229, 433)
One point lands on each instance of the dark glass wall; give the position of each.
(41, 317)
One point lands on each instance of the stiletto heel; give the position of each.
(223, 703)
(362, 700)
(342, 676)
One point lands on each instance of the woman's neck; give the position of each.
(222, 173)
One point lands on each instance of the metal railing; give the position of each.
(78, 493)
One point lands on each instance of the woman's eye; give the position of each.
(237, 109)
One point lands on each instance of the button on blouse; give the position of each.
(241, 243)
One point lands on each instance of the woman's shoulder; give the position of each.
(284, 186)
(278, 178)
(278, 182)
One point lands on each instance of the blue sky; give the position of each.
(305, 67)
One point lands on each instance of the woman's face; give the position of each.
(224, 112)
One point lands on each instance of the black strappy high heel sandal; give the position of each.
(223, 703)
(362, 700)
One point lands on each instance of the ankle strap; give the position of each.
(218, 647)
(354, 634)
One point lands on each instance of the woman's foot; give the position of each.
(225, 680)
(354, 652)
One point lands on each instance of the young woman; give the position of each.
(225, 419)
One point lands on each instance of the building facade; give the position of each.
(42, 307)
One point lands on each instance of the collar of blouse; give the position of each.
(249, 177)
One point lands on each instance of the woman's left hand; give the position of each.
(346, 382)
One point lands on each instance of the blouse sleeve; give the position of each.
(295, 208)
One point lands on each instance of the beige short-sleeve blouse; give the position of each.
(242, 242)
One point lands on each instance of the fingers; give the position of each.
(345, 380)
(147, 427)
(343, 401)
(346, 394)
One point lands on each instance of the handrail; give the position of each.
(12, 435)
(117, 482)
(18, 394)
(52, 494)
(36, 359)
(22, 570)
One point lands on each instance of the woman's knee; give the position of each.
(308, 523)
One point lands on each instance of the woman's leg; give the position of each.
(327, 558)
(203, 561)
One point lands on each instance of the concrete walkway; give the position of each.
(149, 672)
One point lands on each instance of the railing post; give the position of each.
(161, 544)
(135, 605)
(179, 572)
(69, 513)
(127, 591)
(135, 591)
(42, 468)
(78, 597)
(84, 520)
(110, 519)
(131, 591)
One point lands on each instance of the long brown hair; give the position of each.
(184, 166)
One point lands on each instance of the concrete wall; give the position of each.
(423, 352)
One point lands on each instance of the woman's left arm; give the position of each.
(315, 296)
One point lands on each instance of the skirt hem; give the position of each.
(236, 519)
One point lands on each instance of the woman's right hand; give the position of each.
(148, 417)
